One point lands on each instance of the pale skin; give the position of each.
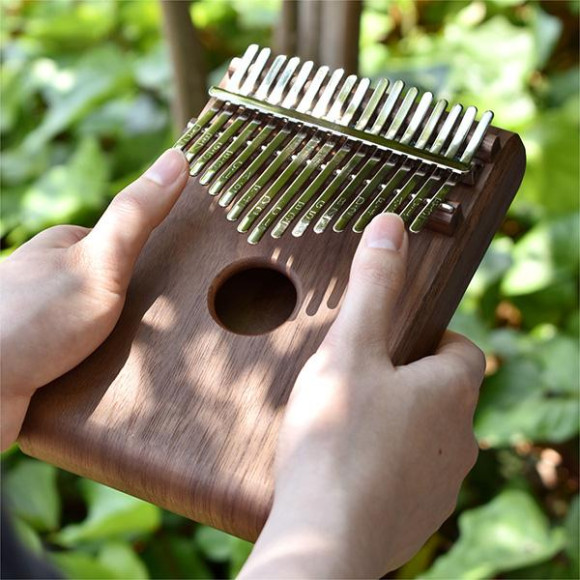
(370, 457)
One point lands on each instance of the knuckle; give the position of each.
(375, 269)
(129, 205)
(471, 454)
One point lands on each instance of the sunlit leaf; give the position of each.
(215, 544)
(509, 532)
(97, 76)
(522, 402)
(173, 556)
(545, 255)
(82, 566)
(111, 514)
(66, 190)
(573, 534)
(122, 560)
(32, 495)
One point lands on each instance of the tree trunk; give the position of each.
(339, 34)
(187, 62)
(326, 31)
(287, 29)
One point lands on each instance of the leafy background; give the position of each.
(85, 108)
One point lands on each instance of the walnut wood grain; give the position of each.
(177, 410)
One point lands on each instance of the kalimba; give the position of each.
(181, 405)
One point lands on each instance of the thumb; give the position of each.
(376, 278)
(120, 234)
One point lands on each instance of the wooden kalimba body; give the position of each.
(181, 405)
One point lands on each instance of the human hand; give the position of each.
(370, 456)
(63, 291)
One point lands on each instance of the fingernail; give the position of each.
(386, 231)
(167, 168)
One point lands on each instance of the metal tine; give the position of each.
(413, 177)
(387, 107)
(271, 149)
(278, 92)
(311, 92)
(377, 203)
(456, 142)
(242, 67)
(257, 68)
(419, 222)
(224, 115)
(437, 199)
(376, 181)
(319, 108)
(243, 117)
(233, 84)
(355, 102)
(372, 104)
(477, 137)
(417, 118)
(402, 113)
(350, 190)
(330, 167)
(301, 159)
(341, 199)
(248, 130)
(427, 131)
(443, 134)
(256, 143)
(335, 111)
(461, 134)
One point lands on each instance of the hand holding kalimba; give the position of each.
(371, 456)
(63, 291)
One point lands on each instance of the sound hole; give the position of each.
(253, 301)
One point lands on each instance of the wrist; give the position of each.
(302, 539)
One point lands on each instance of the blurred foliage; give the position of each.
(85, 107)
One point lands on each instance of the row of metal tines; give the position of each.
(261, 148)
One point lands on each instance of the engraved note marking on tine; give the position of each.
(278, 127)
(233, 84)
(241, 119)
(300, 158)
(254, 145)
(303, 161)
(240, 140)
(320, 107)
(248, 86)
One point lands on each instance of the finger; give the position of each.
(61, 236)
(376, 278)
(123, 229)
(457, 350)
(455, 356)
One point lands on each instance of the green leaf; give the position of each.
(221, 547)
(241, 551)
(509, 532)
(172, 556)
(547, 254)
(122, 560)
(552, 143)
(530, 398)
(66, 190)
(99, 75)
(572, 525)
(32, 495)
(28, 536)
(214, 544)
(72, 25)
(111, 514)
(81, 566)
